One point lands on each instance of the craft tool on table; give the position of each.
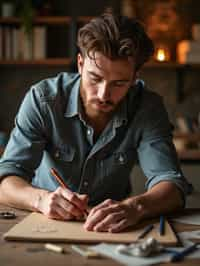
(54, 248)
(7, 215)
(178, 256)
(146, 230)
(162, 225)
(85, 252)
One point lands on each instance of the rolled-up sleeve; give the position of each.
(26, 144)
(156, 152)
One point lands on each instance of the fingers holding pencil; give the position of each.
(78, 202)
(56, 206)
(75, 206)
(61, 204)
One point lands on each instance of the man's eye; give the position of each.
(120, 84)
(95, 80)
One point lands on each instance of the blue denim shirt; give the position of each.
(50, 132)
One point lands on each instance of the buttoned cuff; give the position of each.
(14, 169)
(180, 182)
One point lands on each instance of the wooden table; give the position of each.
(15, 253)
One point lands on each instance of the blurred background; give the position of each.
(38, 40)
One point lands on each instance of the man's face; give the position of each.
(104, 83)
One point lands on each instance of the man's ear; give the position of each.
(80, 62)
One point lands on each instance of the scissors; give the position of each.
(7, 215)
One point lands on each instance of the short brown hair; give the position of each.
(115, 37)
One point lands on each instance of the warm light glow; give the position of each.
(161, 55)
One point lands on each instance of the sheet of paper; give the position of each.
(188, 235)
(109, 250)
(37, 227)
(185, 239)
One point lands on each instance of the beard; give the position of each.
(102, 103)
(93, 105)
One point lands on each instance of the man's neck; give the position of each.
(97, 121)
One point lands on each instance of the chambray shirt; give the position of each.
(50, 132)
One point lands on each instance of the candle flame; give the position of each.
(161, 54)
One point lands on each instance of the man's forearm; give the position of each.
(163, 198)
(16, 192)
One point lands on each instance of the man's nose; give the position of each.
(103, 92)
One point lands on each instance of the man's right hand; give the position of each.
(62, 204)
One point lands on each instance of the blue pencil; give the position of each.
(162, 225)
(180, 255)
(146, 230)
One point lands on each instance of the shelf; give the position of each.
(154, 64)
(179, 69)
(189, 154)
(192, 137)
(48, 20)
(43, 62)
(84, 19)
(68, 61)
(170, 65)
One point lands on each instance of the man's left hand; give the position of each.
(112, 216)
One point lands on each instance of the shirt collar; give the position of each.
(73, 105)
(121, 114)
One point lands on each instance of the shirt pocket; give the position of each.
(64, 153)
(65, 163)
(117, 164)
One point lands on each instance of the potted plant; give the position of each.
(26, 12)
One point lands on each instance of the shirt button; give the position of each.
(89, 131)
(57, 154)
(85, 183)
(121, 159)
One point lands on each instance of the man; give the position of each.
(91, 127)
